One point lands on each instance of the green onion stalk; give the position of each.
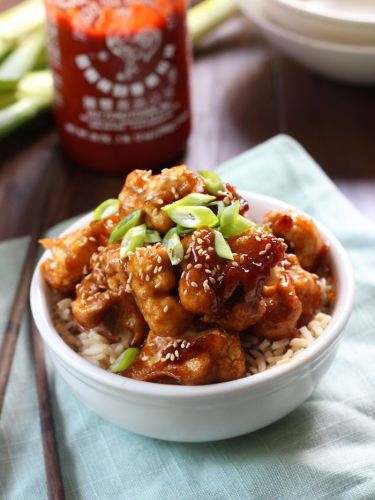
(23, 56)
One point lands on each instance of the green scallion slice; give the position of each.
(212, 181)
(152, 236)
(192, 199)
(183, 230)
(220, 205)
(124, 225)
(221, 247)
(133, 239)
(173, 245)
(231, 222)
(125, 360)
(105, 209)
(193, 217)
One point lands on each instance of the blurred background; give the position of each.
(260, 68)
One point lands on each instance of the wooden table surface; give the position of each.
(243, 92)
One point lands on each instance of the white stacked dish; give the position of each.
(335, 38)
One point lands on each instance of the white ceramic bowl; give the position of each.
(339, 61)
(202, 413)
(347, 21)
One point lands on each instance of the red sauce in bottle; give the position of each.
(120, 71)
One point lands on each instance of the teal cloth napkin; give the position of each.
(324, 449)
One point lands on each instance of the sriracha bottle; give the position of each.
(120, 70)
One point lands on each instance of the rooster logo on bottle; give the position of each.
(134, 51)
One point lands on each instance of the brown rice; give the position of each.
(261, 354)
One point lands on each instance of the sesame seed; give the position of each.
(208, 271)
(172, 357)
(220, 278)
(185, 291)
(206, 286)
(156, 285)
(200, 241)
(168, 355)
(194, 284)
(147, 277)
(159, 201)
(177, 354)
(262, 252)
(212, 280)
(198, 266)
(175, 344)
(160, 269)
(159, 259)
(91, 238)
(235, 264)
(165, 308)
(242, 258)
(268, 246)
(189, 266)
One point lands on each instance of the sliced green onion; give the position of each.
(192, 199)
(232, 223)
(152, 236)
(193, 217)
(173, 245)
(212, 181)
(133, 239)
(183, 230)
(124, 225)
(125, 360)
(220, 206)
(262, 226)
(105, 209)
(221, 247)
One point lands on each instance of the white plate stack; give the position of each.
(335, 38)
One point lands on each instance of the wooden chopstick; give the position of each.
(40, 220)
(7, 350)
(8, 345)
(50, 449)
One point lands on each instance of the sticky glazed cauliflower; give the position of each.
(172, 282)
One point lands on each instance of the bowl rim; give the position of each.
(260, 19)
(77, 363)
(329, 14)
